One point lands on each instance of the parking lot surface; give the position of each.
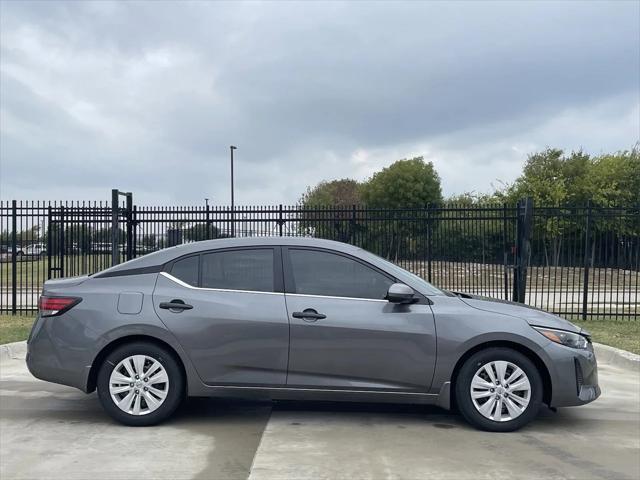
(51, 431)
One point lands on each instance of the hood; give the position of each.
(532, 315)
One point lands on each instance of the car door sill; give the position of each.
(319, 394)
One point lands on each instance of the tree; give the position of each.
(471, 229)
(614, 179)
(344, 192)
(553, 179)
(327, 208)
(406, 183)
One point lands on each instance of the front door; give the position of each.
(344, 335)
(236, 331)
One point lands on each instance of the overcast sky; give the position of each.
(148, 96)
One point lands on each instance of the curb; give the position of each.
(616, 357)
(15, 351)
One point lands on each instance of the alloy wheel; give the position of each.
(139, 384)
(500, 391)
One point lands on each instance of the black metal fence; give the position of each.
(581, 262)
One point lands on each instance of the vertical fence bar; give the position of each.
(134, 224)
(14, 256)
(516, 257)
(585, 280)
(208, 222)
(129, 225)
(49, 243)
(505, 253)
(523, 248)
(114, 227)
(429, 243)
(61, 243)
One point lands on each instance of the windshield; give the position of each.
(395, 269)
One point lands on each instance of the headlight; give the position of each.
(570, 339)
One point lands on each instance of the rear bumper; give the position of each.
(53, 361)
(574, 376)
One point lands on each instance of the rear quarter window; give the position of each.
(186, 270)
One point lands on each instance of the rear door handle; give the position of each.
(309, 315)
(175, 305)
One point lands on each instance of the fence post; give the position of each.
(585, 280)
(523, 247)
(352, 225)
(129, 223)
(280, 220)
(114, 227)
(61, 242)
(49, 243)
(208, 219)
(134, 224)
(14, 255)
(505, 247)
(429, 237)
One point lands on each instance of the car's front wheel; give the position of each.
(499, 390)
(140, 384)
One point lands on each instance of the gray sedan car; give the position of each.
(300, 318)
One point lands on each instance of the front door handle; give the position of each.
(175, 305)
(309, 315)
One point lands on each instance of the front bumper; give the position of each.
(574, 375)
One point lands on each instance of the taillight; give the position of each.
(51, 306)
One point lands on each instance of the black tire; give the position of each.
(175, 390)
(463, 385)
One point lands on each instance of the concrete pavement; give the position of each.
(596, 441)
(51, 431)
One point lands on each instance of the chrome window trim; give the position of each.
(308, 295)
(186, 285)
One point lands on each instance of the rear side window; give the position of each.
(328, 274)
(186, 270)
(239, 270)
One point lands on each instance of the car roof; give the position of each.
(166, 255)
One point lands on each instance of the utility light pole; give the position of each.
(233, 229)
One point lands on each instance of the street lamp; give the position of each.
(232, 148)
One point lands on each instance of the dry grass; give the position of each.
(14, 328)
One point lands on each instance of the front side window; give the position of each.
(323, 273)
(239, 270)
(186, 270)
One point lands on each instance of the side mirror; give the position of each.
(400, 293)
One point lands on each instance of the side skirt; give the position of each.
(317, 394)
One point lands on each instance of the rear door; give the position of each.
(233, 323)
(345, 335)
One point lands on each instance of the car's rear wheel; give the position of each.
(140, 384)
(499, 390)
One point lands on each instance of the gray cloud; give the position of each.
(147, 96)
